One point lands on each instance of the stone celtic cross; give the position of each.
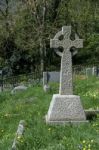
(66, 87)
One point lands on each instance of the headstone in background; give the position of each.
(53, 76)
(94, 73)
(1, 72)
(97, 71)
(91, 71)
(65, 107)
(45, 78)
(19, 135)
(46, 88)
(18, 89)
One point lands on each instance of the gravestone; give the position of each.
(1, 72)
(65, 107)
(97, 71)
(45, 78)
(19, 135)
(46, 87)
(53, 76)
(19, 89)
(91, 71)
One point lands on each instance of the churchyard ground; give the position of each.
(32, 106)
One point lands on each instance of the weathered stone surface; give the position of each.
(19, 134)
(45, 78)
(1, 72)
(18, 89)
(92, 71)
(53, 76)
(46, 88)
(65, 108)
(66, 87)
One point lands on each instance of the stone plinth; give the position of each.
(65, 109)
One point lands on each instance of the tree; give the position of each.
(5, 29)
(43, 22)
(26, 27)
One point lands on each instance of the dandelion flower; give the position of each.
(49, 129)
(89, 145)
(19, 137)
(84, 141)
(21, 141)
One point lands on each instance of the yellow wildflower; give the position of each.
(89, 145)
(21, 141)
(18, 137)
(84, 141)
(49, 129)
(7, 115)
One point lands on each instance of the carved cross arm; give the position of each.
(55, 43)
(78, 43)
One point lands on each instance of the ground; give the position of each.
(32, 106)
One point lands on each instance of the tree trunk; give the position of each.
(42, 55)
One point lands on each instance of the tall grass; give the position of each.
(32, 106)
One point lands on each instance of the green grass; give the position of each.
(33, 105)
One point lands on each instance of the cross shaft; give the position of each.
(66, 87)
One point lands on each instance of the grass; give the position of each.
(33, 105)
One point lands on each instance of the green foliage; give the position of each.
(90, 53)
(27, 26)
(88, 90)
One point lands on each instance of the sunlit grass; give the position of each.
(32, 106)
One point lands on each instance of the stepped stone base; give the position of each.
(65, 109)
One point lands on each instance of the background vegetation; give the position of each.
(26, 27)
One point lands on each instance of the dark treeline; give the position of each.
(26, 27)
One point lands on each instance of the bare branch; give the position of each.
(1, 11)
(33, 5)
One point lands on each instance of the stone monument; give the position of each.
(65, 107)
